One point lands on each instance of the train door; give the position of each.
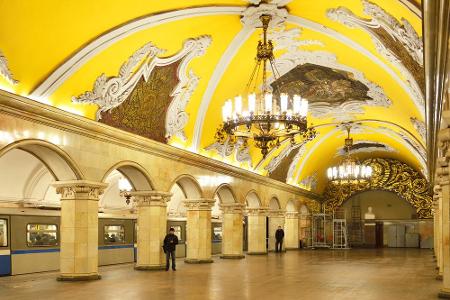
(5, 246)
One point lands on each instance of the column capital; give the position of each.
(79, 189)
(232, 208)
(277, 213)
(254, 211)
(199, 204)
(151, 198)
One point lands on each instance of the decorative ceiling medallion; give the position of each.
(293, 57)
(240, 149)
(251, 16)
(364, 146)
(389, 175)
(420, 127)
(4, 70)
(110, 92)
(397, 42)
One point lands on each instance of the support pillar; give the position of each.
(198, 227)
(441, 237)
(256, 231)
(79, 229)
(276, 218)
(232, 229)
(291, 231)
(437, 237)
(151, 229)
(445, 232)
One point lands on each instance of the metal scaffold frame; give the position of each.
(340, 240)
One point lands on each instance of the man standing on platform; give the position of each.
(170, 242)
(279, 236)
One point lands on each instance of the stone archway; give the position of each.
(388, 175)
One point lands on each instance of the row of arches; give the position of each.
(34, 164)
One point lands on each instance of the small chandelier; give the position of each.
(350, 171)
(125, 189)
(270, 118)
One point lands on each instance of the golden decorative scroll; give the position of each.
(388, 175)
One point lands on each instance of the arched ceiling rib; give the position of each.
(53, 68)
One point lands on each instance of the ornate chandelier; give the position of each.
(271, 116)
(350, 171)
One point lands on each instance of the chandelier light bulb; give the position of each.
(268, 102)
(283, 102)
(297, 104)
(251, 102)
(224, 113)
(238, 105)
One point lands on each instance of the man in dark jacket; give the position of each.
(279, 236)
(170, 241)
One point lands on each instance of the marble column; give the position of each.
(79, 229)
(151, 228)
(445, 231)
(256, 218)
(232, 230)
(198, 227)
(276, 218)
(291, 230)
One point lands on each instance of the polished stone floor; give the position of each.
(322, 274)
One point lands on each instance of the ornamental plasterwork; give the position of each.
(295, 161)
(294, 56)
(310, 182)
(420, 127)
(275, 162)
(279, 3)
(250, 16)
(364, 146)
(110, 92)
(4, 70)
(240, 150)
(402, 33)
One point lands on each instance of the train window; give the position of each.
(3, 233)
(114, 234)
(42, 235)
(217, 233)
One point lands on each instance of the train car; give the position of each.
(34, 243)
(216, 237)
(30, 239)
(115, 241)
(5, 246)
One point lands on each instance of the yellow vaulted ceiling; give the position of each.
(37, 37)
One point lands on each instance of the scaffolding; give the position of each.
(320, 226)
(340, 229)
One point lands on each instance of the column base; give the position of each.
(256, 253)
(282, 251)
(78, 278)
(445, 294)
(198, 261)
(292, 248)
(150, 268)
(439, 277)
(232, 256)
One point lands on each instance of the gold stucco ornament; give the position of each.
(388, 175)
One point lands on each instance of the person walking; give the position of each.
(279, 236)
(170, 242)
